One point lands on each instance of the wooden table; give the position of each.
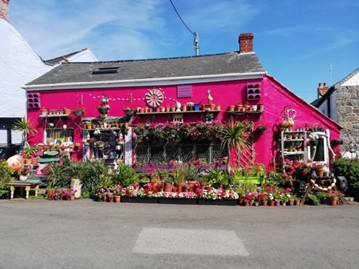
(23, 184)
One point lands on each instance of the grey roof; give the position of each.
(214, 64)
(59, 59)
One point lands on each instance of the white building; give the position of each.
(19, 64)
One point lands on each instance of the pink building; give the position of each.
(150, 86)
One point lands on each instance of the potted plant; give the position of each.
(234, 136)
(129, 111)
(333, 198)
(25, 126)
(24, 173)
(260, 129)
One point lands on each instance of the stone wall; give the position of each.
(348, 115)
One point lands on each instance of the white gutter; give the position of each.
(145, 82)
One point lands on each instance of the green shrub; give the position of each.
(349, 169)
(6, 175)
(124, 175)
(90, 173)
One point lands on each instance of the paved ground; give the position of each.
(87, 234)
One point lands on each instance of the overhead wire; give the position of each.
(179, 16)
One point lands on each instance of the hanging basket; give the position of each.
(78, 112)
(129, 112)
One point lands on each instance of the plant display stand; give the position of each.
(23, 185)
(310, 187)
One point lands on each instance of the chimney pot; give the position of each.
(4, 10)
(245, 42)
(322, 89)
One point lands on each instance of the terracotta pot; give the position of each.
(231, 108)
(212, 106)
(191, 185)
(181, 187)
(168, 108)
(333, 201)
(72, 198)
(320, 172)
(218, 107)
(168, 186)
(184, 108)
(239, 107)
(260, 107)
(34, 161)
(50, 194)
(272, 203)
(117, 198)
(264, 203)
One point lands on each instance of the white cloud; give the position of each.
(52, 27)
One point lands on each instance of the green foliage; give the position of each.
(25, 126)
(217, 176)
(6, 175)
(349, 169)
(179, 175)
(275, 178)
(313, 199)
(124, 175)
(90, 173)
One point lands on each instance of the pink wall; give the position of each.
(274, 96)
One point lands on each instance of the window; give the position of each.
(59, 135)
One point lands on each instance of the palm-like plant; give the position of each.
(25, 126)
(235, 136)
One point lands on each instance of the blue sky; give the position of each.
(299, 42)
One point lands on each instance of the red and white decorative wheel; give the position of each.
(154, 98)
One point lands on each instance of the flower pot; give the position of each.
(22, 178)
(212, 106)
(117, 198)
(264, 203)
(184, 108)
(260, 107)
(218, 107)
(196, 107)
(168, 186)
(72, 198)
(231, 108)
(50, 194)
(320, 172)
(238, 107)
(333, 201)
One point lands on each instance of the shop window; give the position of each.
(156, 153)
(59, 135)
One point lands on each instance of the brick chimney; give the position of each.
(245, 42)
(322, 89)
(4, 9)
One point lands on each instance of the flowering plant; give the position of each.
(25, 170)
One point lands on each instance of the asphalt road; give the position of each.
(86, 234)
